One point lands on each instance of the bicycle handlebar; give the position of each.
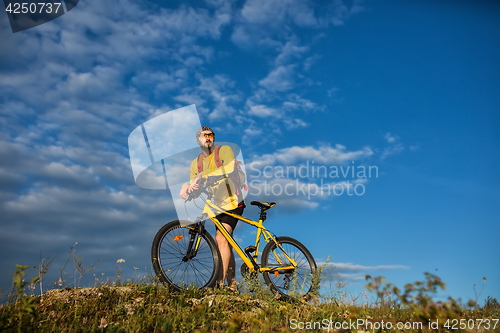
(206, 184)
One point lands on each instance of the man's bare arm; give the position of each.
(188, 188)
(184, 189)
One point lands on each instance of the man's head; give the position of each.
(205, 137)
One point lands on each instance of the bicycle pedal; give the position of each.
(250, 248)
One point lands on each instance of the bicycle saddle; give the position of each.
(263, 205)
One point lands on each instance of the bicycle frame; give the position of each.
(261, 231)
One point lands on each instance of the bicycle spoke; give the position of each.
(289, 282)
(197, 271)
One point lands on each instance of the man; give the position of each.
(224, 195)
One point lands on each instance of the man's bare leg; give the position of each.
(226, 252)
(231, 273)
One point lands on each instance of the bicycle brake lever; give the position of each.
(191, 196)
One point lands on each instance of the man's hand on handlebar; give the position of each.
(190, 188)
(184, 189)
(197, 186)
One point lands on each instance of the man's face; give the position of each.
(206, 139)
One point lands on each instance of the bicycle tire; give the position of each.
(199, 272)
(302, 281)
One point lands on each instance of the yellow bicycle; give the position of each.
(185, 255)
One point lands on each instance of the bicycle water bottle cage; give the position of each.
(263, 205)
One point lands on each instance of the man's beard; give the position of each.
(207, 146)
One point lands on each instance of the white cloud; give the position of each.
(350, 272)
(295, 123)
(161, 82)
(261, 12)
(297, 103)
(253, 131)
(215, 96)
(391, 138)
(286, 111)
(310, 61)
(241, 37)
(262, 111)
(52, 196)
(300, 177)
(192, 98)
(91, 65)
(292, 195)
(279, 79)
(191, 21)
(395, 145)
(325, 154)
(272, 98)
(350, 267)
(392, 150)
(259, 19)
(93, 76)
(275, 12)
(101, 82)
(289, 52)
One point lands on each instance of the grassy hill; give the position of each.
(144, 305)
(148, 307)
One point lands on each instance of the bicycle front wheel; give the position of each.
(169, 251)
(292, 283)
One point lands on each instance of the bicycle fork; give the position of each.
(194, 242)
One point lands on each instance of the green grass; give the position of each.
(153, 308)
(143, 305)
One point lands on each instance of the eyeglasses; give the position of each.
(207, 135)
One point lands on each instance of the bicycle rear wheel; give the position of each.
(168, 252)
(289, 283)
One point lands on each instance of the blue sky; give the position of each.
(410, 87)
